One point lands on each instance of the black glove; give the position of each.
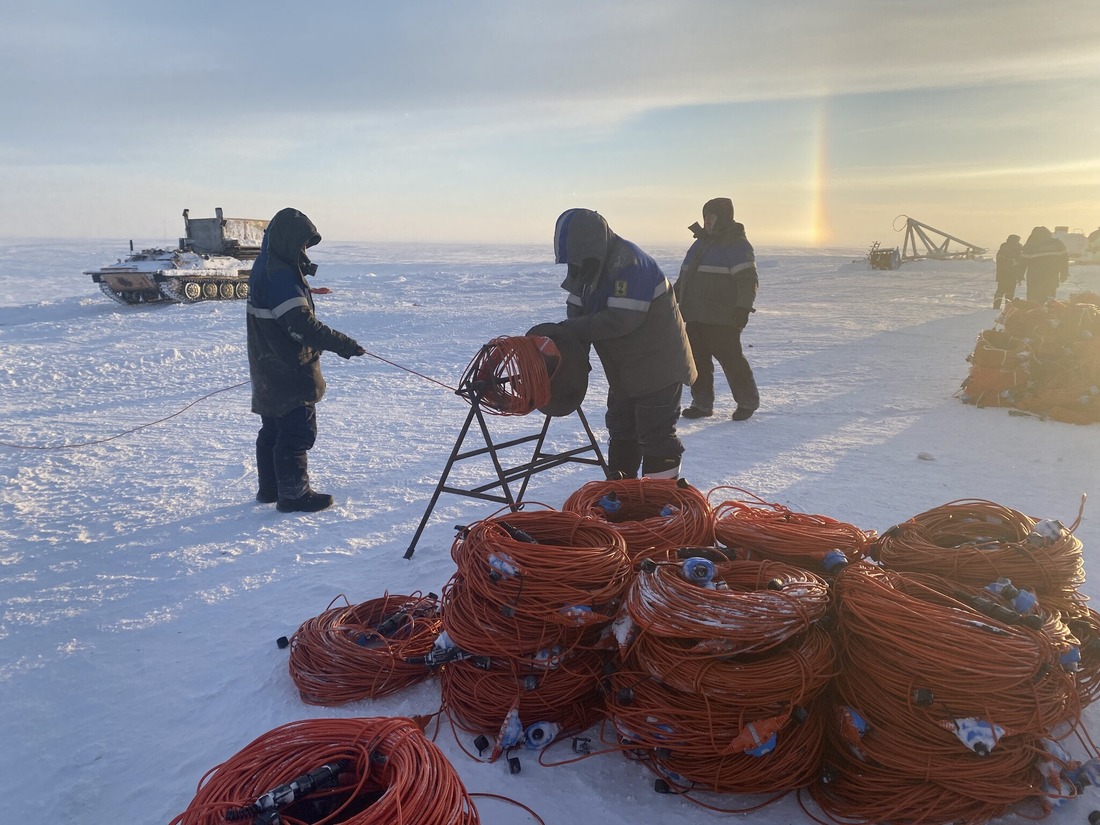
(740, 317)
(697, 231)
(351, 350)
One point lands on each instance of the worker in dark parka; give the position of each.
(716, 291)
(285, 342)
(1046, 264)
(622, 304)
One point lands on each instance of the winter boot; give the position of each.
(311, 502)
(661, 467)
(266, 496)
(741, 413)
(695, 412)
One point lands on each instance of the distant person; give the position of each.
(1010, 270)
(285, 341)
(1046, 265)
(621, 303)
(716, 291)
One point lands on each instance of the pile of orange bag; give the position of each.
(1043, 359)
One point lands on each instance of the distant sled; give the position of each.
(212, 263)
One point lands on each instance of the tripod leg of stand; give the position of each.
(592, 440)
(534, 458)
(491, 448)
(442, 481)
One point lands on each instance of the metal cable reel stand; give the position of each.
(567, 367)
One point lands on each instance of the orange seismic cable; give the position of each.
(977, 542)
(386, 772)
(511, 375)
(757, 529)
(356, 652)
(656, 517)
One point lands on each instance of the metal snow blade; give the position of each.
(935, 242)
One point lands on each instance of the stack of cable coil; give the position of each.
(368, 771)
(979, 543)
(531, 598)
(1046, 361)
(755, 529)
(947, 702)
(655, 516)
(1000, 369)
(724, 673)
(361, 651)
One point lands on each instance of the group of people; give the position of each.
(651, 337)
(1043, 262)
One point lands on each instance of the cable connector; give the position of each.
(699, 571)
(517, 534)
(443, 651)
(266, 807)
(610, 503)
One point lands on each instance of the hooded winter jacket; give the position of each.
(285, 339)
(1009, 262)
(1046, 264)
(621, 303)
(718, 276)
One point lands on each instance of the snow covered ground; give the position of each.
(142, 589)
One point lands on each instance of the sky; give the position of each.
(433, 121)
(143, 589)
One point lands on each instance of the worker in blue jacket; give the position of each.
(716, 291)
(285, 341)
(621, 303)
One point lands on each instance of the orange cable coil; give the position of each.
(394, 776)
(358, 652)
(775, 532)
(639, 520)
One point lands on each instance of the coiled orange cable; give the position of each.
(695, 741)
(689, 523)
(974, 541)
(356, 652)
(393, 776)
(918, 660)
(530, 599)
(511, 376)
(761, 606)
(773, 531)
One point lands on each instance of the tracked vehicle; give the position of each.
(212, 263)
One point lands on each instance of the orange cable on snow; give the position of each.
(530, 597)
(362, 651)
(391, 775)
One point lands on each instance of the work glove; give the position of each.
(740, 317)
(351, 350)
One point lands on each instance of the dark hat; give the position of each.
(722, 207)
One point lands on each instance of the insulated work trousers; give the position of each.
(1006, 288)
(723, 344)
(642, 433)
(281, 448)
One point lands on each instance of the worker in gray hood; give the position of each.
(622, 304)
